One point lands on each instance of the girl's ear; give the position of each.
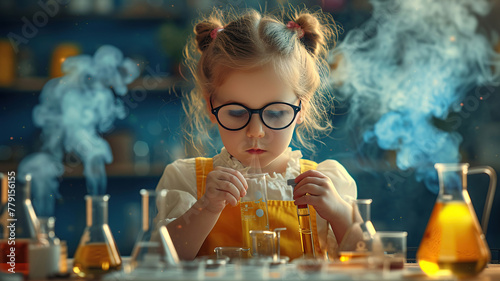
(212, 117)
(300, 119)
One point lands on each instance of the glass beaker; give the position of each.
(254, 214)
(97, 253)
(453, 242)
(19, 226)
(357, 242)
(47, 257)
(151, 253)
(266, 244)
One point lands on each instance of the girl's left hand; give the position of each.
(316, 189)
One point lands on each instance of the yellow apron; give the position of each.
(227, 230)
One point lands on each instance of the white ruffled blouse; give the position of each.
(179, 179)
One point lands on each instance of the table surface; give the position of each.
(411, 272)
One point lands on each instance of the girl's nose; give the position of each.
(255, 128)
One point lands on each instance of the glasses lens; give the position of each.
(233, 116)
(278, 115)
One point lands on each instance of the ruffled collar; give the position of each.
(292, 170)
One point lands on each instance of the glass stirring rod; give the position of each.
(305, 230)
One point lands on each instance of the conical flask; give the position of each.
(97, 253)
(19, 226)
(453, 242)
(151, 253)
(358, 241)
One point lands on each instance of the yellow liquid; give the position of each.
(346, 256)
(251, 221)
(305, 233)
(453, 243)
(96, 259)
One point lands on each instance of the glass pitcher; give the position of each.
(97, 253)
(453, 241)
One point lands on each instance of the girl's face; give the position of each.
(255, 142)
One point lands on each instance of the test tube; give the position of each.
(304, 217)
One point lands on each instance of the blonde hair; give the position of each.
(251, 41)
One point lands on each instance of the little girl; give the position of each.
(258, 80)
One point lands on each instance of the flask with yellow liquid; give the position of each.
(454, 242)
(97, 253)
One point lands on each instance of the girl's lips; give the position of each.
(255, 151)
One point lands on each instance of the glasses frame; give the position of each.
(296, 109)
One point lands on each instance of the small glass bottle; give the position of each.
(97, 253)
(19, 227)
(149, 252)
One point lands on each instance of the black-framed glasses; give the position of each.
(275, 115)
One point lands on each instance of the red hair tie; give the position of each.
(214, 32)
(295, 26)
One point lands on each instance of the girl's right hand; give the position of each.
(224, 185)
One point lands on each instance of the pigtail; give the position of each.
(318, 31)
(204, 33)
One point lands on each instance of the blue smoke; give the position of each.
(73, 111)
(411, 64)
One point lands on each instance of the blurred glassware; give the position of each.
(60, 54)
(46, 257)
(234, 253)
(453, 242)
(19, 221)
(150, 253)
(7, 64)
(393, 245)
(357, 244)
(97, 253)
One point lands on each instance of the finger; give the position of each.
(230, 199)
(228, 187)
(312, 186)
(222, 196)
(235, 182)
(235, 177)
(309, 173)
(309, 200)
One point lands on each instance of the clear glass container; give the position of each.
(453, 242)
(358, 242)
(151, 253)
(19, 226)
(47, 257)
(47, 233)
(254, 213)
(97, 253)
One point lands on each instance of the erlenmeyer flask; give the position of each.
(453, 242)
(97, 253)
(151, 253)
(358, 239)
(19, 227)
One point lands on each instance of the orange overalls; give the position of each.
(227, 230)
